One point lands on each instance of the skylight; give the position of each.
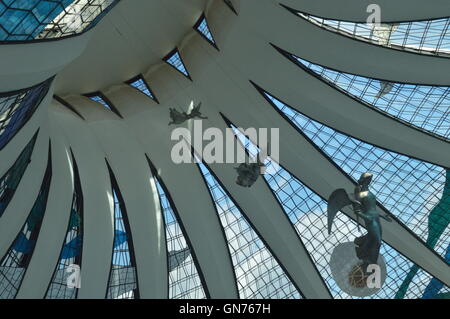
(103, 100)
(202, 27)
(141, 85)
(99, 99)
(423, 106)
(174, 60)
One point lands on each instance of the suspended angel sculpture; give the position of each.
(364, 205)
(248, 173)
(180, 117)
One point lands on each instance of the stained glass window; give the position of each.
(70, 254)
(15, 263)
(24, 20)
(17, 107)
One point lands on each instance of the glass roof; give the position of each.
(258, 273)
(25, 20)
(425, 37)
(408, 188)
(184, 279)
(203, 28)
(307, 212)
(174, 60)
(422, 106)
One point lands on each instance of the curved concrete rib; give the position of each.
(98, 216)
(356, 10)
(318, 100)
(27, 64)
(273, 23)
(14, 147)
(52, 233)
(194, 205)
(243, 104)
(267, 217)
(26, 193)
(127, 160)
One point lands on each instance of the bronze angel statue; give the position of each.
(364, 205)
(180, 117)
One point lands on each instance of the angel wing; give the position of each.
(176, 117)
(197, 107)
(174, 113)
(337, 200)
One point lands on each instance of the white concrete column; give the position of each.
(56, 218)
(194, 204)
(136, 184)
(98, 214)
